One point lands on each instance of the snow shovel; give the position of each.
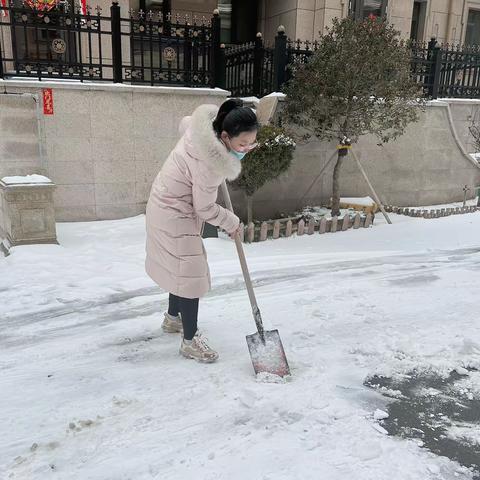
(265, 346)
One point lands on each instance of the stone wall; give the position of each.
(104, 145)
(21, 148)
(464, 112)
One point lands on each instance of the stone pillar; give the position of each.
(27, 210)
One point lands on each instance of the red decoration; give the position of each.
(41, 5)
(4, 13)
(47, 101)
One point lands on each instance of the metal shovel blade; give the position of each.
(268, 356)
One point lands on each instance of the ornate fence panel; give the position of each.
(266, 85)
(239, 63)
(59, 43)
(422, 65)
(249, 69)
(298, 53)
(174, 52)
(446, 70)
(81, 44)
(459, 72)
(440, 70)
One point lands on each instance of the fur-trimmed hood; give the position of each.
(202, 143)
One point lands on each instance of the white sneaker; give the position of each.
(198, 349)
(172, 324)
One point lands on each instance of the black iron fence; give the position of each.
(441, 70)
(67, 41)
(50, 39)
(249, 69)
(447, 70)
(252, 68)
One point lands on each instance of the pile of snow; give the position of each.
(253, 100)
(466, 433)
(363, 201)
(25, 180)
(475, 156)
(318, 213)
(275, 94)
(283, 140)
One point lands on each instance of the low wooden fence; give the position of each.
(431, 213)
(288, 226)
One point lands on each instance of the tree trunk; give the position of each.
(336, 184)
(249, 209)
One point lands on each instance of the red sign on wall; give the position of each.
(47, 101)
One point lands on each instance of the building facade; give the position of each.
(450, 21)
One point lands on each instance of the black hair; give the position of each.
(234, 118)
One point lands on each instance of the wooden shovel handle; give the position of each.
(243, 263)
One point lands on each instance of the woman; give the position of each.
(183, 196)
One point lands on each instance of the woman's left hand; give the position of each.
(235, 233)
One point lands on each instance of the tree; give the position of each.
(357, 82)
(474, 129)
(272, 157)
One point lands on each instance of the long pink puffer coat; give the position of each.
(183, 196)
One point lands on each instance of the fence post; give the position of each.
(435, 55)
(116, 43)
(222, 74)
(280, 59)
(187, 57)
(258, 54)
(216, 52)
(1, 61)
(166, 9)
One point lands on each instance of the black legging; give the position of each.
(188, 307)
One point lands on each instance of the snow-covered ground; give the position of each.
(92, 389)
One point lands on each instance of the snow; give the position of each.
(465, 432)
(281, 139)
(363, 201)
(92, 388)
(468, 386)
(475, 156)
(25, 180)
(380, 414)
(275, 94)
(323, 212)
(253, 100)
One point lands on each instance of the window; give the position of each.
(225, 9)
(361, 9)
(417, 27)
(472, 36)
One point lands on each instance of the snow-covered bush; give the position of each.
(272, 157)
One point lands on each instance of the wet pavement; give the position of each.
(442, 414)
